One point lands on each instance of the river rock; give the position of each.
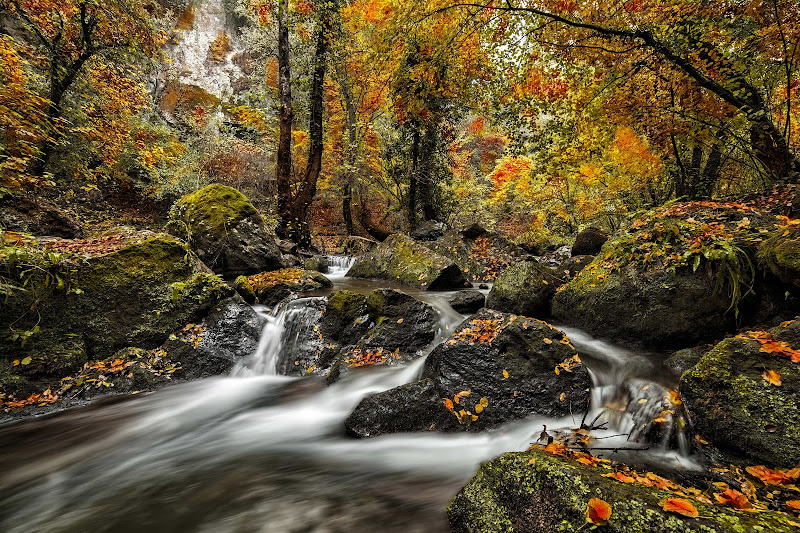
(533, 492)
(400, 259)
(682, 360)
(269, 288)
(230, 332)
(525, 289)
(482, 255)
(224, 229)
(318, 263)
(781, 252)
(490, 346)
(589, 241)
(573, 266)
(467, 302)
(412, 407)
(134, 295)
(732, 405)
(653, 308)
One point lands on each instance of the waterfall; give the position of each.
(338, 265)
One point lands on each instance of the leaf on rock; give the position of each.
(772, 377)
(598, 512)
(768, 476)
(733, 498)
(620, 476)
(680, 506)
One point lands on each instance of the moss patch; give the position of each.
(215, 209)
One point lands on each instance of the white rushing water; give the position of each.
(261, 452)
(338, 265)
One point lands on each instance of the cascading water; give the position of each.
(338, 265)
(262, 452)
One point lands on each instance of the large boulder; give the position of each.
(482, 255)
(678, 276)
(732, 404)
(589, 241)
(429, 230)
(36, 217)
(534, 492)
(74, 308)
(494, 368)
(526, 288)
(401, 260)
(781, 253)
(224, 229)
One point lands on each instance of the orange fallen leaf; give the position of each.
(772, 377)
(767, 475)
(680, 506)
(793, 504)
(733, 498)
(448, 404)
(598, 512)
(620, 476)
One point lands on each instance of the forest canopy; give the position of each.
(535, 118)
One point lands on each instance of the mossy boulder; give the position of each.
(781, 253)
(399, 259)
(223, 228)
(91, 307)
(269, 288)
(573, 266)
(526, 288)
(533, 492)
(731, 404)
(654, 308)
(482, 255)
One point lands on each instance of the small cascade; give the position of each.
(288, 327)
(645, 411)
(338, 265)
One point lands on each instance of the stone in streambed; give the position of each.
(399, 259)
(589, 242)
(533, 492)
(525, 288)
(269, 288)
(467, 302)
(732, 405)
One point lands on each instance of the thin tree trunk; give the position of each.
(283, 168)
(412, 183)
(352, 148)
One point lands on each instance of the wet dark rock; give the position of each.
(654, 308)
(525, 289)
(429, 230)
(224, 229)
(483, 286)
(589, 241)
(732, 405)
(402, 260)
(528, 350)
(467, 302)
(286, 247)
(533, 492)
(682, 360)
(473, 231)
(37, 217)
(401, 322)
(556, 257)
(270, 288)
(412, 407)
(346, 319)
(318, 263)
(230, 332)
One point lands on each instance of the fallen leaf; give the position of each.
(598, 512)
(562, 397)
(620, 476)
(772, 377)
(680, 506)
(26, 361)
(399, 320)
(767, 475)
(733, 498)
(547, 341)
(793, 504)
(505, 374)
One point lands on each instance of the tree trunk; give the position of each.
(412, 182)
(352, 148)
(283, 167)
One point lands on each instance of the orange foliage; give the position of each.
(598, 512)
(510, 169)
(632, 154)
(680, 506)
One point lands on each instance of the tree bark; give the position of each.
(413, 180)
(283, 167)
(352, 149)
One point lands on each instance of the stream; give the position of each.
(258, 452)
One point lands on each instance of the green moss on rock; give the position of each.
(401, 260)
(781, 252)
(733, 406)
(533, 492)
(525, 289)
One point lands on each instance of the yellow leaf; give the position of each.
(26, 361)
(505, 374)
(484, 401)
(772, 377)
(547, 341)
(399, 320)
(562, 397)
(479, 408)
